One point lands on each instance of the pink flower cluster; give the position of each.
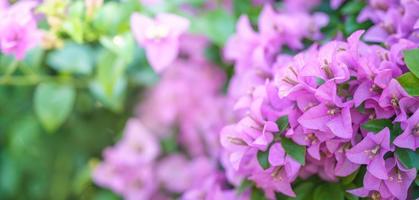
(318, 99)
(303, 114)
(18, 28)
(393, 20)
(186, 105)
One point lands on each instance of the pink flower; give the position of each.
(370, 151)
(410, 136)
(396, 186)
(18, 29)
(159, 37)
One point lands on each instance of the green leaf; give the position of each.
(244, 185)
(217, 25)
(395, 131)
(409, 158)
(410, 83)
(349, 179)
(350, 196)
(263, 159)
(352, 7)
(329, 191)
(72, 58)
(53, 104)
(376, 125)
(169, 144)
(109, 85)
(294, 150)
(257, 194)
(411, 58)
(282, 123)
(304, 191)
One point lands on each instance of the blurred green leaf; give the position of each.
(376, 125)
(244, 185)
(409, 158)
(217, 25)
(410, 83)
(257, 194)
(328, 191)
(304, 191)
(53, 103)
(282, 123)
(411, 58)
(349, 179)
(110, 84)
(263, 159)
(350, 196)
(296, 151)
(72, 58)
(353, 7)
(121, 45)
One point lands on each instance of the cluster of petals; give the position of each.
(159, 37)
(393, 20)
(18, 28)
(327, 92)
(185, 108)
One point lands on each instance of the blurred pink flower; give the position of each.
(159, 37)
(18, 29)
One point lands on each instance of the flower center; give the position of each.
(311, 138)
(276, 173)
(415, 130)
(375, 88)
(394, 101)
(375, 195)
(327, 70)
(157, 32)
(373, 151)
(333, 111)
(236, 141)
(289, 80)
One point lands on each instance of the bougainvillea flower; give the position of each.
(18, 29)
(240, 46)
(370, 151)
(392, 96)
(273, 180)
(159, 37)
(138, 145)
(399, 179)
(374, 188)
(332, 115)
(278, 157)
(410, 136)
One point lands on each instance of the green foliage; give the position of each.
(72, 58)
(282, 123)
(409, 158)
(294, 150)
(328, 191)
(263, 159)
(304, 191)
(410, 83)
(217, 25)
(244, 185)
(257, 194)
(53, 103)
(411, 58)
(376, 125)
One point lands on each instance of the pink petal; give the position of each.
(377, 168)
(161, 54)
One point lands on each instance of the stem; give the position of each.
(11, 68)
(36, 79)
